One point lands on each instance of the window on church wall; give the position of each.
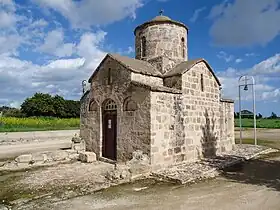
(201, 82)
(143, 46)
(183, 48)
(130, 105)
(93, 106)
(109, 77)
(110, 105)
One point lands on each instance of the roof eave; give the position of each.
(153, 22)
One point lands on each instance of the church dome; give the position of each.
(159, 20)
(161, 37)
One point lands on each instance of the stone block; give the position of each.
(39, 157)
(87, 157)
(24, 158)
(59, 155)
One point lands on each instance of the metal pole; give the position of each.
(254, 111)
(240, 118)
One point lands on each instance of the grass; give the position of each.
(261, 123)
(12, 124)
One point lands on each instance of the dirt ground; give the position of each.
(254, 186)
(51, 140)
(263, 134)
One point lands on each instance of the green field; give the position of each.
(12, 124)
(261, 123)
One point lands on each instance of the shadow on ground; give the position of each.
(256, 172)
(265, 172)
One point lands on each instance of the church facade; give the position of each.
(159, 102)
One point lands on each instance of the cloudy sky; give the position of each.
(50, 46)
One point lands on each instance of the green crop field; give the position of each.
(261, 123)
(12, 124)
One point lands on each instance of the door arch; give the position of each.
(109, 124)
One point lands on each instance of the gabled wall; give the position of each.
(202, 114)
(133, 127)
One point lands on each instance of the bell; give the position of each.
(246, 87)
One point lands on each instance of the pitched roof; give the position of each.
(185, 66)
(134, 65)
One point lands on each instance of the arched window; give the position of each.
(183, 47)
(110, 105)
(129, 104)
(93, 106)
(143, 46)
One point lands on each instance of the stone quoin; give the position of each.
(160, 103)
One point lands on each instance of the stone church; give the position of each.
(159, 102)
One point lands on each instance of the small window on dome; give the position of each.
(183, 47)
(143, 46)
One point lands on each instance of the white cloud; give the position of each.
(196, 14)
(54, 44)
(238, 60)
(224, 56)
(245, 22)
(87, 13)
(88, 48)
(270, 65)
(20, 79)
(275, 94)
(9, 44)
(263, 73)
(250, 54)
(7, 19)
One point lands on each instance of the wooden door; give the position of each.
(109, 135)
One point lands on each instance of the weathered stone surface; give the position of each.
(76, 139)
(186, 124)
(87, 157)
(39, 157)
(3, 207)
(210, 167)
(24, 158)
(59, 155)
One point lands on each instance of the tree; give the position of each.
(38, 105)
(59, 106)
(259, 116)
(72, 108)
(50, 106)
(273, 116)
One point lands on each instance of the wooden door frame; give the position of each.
(104, 113)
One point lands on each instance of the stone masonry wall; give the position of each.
(173, 82)
(163, 64)
(167, 137)
(89, 124)
(135, 125)
(162, 39)
(201, 112)
(133, 128)
(193, 125)
(227, 125)
(149, 80)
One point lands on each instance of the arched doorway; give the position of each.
(109, 144)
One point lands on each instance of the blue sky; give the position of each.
(52, 45)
